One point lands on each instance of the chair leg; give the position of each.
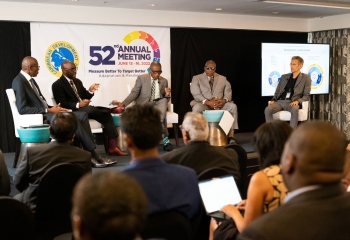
(105, 141)
(176, 134)
(17, 150)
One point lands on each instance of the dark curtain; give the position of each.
(14, 46)
(237, 54)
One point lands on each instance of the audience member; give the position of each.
(212, 91)
(39, 159)
(152, 88)
(266, 189)
(70, 93)
(167, 186)
(5, 188)
(198, 154)
(116, 210)
(29, 100)
(293, 89)
(317, 206)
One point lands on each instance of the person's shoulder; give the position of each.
(219, 75)
(198, 75)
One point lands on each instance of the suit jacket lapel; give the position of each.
(298, 80)
(68, 87)
(216, 79)
(206, 81)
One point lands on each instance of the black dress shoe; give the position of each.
(96, 164)
(168, 147)
(231, 140)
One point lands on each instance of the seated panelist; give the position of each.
(212, 91)
(70, 93)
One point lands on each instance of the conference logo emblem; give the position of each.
(316, 74)
(274, 78)
(57, 53)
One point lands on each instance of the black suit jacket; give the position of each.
(27, 101)
(64, 94)
(41, 158)
(201, 155)
(322, 213)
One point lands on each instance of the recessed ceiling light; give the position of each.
(74, 0)
(275, 12)
(105, 2)
(218, 9)
(151, 5)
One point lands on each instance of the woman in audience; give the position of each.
(266, 189)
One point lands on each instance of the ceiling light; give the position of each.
(73, 0)
(275, 12)
(309, 3)
(218, 9)
(151, 5)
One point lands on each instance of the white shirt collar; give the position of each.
(67, 78)
(26, 75)
(300, 191)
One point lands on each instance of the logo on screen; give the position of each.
(57, 53)
(274, 78)
(316, 74)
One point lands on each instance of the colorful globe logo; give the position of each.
(316, 74)
(149, 39)
(274, 78)
(57, 53)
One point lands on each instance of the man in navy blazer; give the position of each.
(29, 100)
(317, 206)
(293, 89)
(70, 93)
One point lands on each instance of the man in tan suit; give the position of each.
(212, 91)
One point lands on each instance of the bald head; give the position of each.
(30, 66)
(314, 154)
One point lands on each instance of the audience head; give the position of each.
(268, 141)
(30, 66)
(69, 69)
(314, 154)
(155, 69)
(194, 127)
(63, 127)
(142, 126)
(210, 68)
(108, 205)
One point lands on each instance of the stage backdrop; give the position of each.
(110, 55)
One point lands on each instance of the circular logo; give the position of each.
(274, 78)
(316, 74)
(149, 39)
(57, 53)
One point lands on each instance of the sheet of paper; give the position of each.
(226, 122)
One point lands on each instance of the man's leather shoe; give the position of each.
(168, 147)
(117, 151)
(109, 161)
(96, 164)
(231, 140)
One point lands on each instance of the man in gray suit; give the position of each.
(317, 206)
(151, 87)
(41, 158)
(293, 89)
(212, 91)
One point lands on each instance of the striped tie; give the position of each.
(36, 90)
(153, 90)
(75, 89)
(211, 82)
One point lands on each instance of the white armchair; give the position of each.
(19, 120)
(285, 115)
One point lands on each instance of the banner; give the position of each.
(110, 55)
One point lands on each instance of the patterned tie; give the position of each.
(36, 90)
(74, 89)
(153, 90)
(211, 82)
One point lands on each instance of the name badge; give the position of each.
(288, 95)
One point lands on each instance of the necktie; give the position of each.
(153, 90)
(36, 90)
(75, 89)
(211, 82)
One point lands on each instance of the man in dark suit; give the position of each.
(70, 93)
(293, 89)
(198, 154)
(168, 187)
(151, 87)
(317, 206)
(212, 91)
(29, 100)
(39, 159)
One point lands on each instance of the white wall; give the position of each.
(35, 12)
(327, 23)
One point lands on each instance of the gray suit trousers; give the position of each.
(283, 105)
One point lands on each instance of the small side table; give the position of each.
(217, 136)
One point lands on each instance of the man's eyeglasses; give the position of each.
(154, 72)
(210, 68)
(37, 66)
(72, 69)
